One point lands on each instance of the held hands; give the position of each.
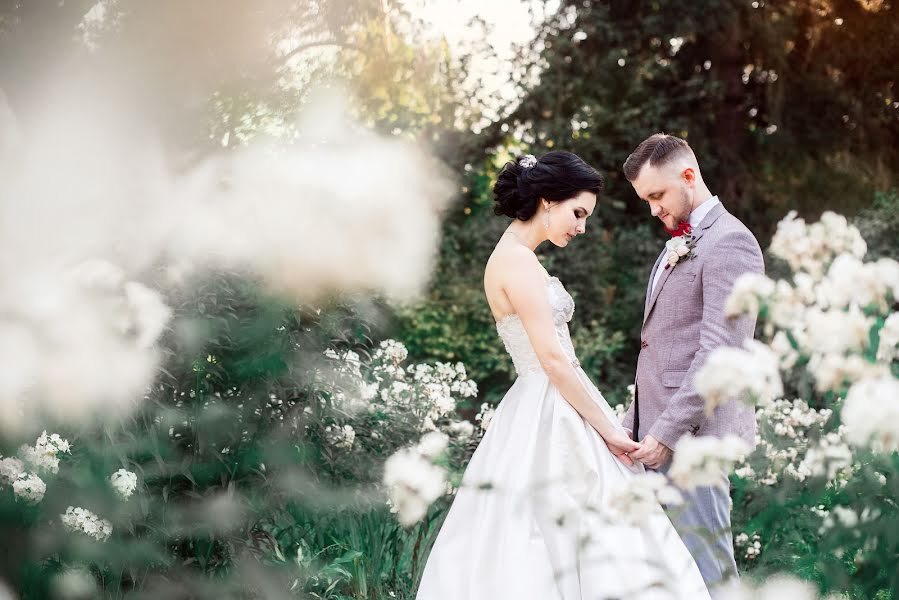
(652, 453)
(620, 445)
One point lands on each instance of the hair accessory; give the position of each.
(527, 161)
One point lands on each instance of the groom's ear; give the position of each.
(689, 175)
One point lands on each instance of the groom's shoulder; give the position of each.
(728, 226)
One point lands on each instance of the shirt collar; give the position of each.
(702, 210)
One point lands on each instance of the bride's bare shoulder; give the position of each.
(508, 258)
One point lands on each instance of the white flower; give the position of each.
(751, 546)
(462, 429)
(29, 487)
(10, 469)
(413, 483)
(701, 461)
(849, 281)
(750, 291)
(829, 457)
(485, 416)
(810, 248)
(391, 350)
(783, 348)
(832, 371)
(124, 482)
(341, 437)
(871, 413)
(745, 374)
(149, 313)
(837, 331)
(86, 522)
(888, 348)
(839, 515)
(640, 496)
(43, 456)
(433, 444)
(778, 587)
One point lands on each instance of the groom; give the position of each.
(683, 322)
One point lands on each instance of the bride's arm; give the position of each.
(525, 286)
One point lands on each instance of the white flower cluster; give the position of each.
(785, 445)
(748, 294)
(750, 373)
(425, 393)
(124, 482)
(80, 520)
(485, 415)
(827, 319)
(750, 546)
(44, 455)
(871, 413)
(641, 496)
(413, 481)
(778, 587)
(29, 487)
(704, 460)
(888, 348)
(809, 247)
(340, 437)
(845, 518)
(22, 473)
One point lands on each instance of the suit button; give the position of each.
(643, 344)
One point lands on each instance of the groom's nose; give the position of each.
(654, 210)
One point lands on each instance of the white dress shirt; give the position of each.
(695, 219)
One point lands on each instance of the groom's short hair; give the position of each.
(657, 150)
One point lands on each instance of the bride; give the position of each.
(531, 519)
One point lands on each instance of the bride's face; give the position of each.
(568, 218)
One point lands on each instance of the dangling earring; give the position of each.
(546, 218)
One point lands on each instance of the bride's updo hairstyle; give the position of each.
(555, 176)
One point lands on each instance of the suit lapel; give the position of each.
(706, 222)
(652, 277)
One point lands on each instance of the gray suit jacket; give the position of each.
(683, 321)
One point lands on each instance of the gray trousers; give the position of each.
(703, 522)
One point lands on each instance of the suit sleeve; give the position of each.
(734, 254)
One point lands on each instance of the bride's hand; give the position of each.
(620, 445)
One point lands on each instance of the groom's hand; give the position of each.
(652, 454)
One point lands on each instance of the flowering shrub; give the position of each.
(818, 495)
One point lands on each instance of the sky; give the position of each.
(509, 22)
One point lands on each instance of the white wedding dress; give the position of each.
(527, 522)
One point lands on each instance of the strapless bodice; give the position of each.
(515, 338)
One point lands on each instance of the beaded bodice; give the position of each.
(516, 340)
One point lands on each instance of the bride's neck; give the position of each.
(528, 236)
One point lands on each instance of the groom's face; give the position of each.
(667, 192)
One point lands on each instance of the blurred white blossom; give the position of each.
(80, 520)
(810, 248)
(124, 482)
(748, 373)
(871, 413)
(29, 487)
(705, 460)
(44, 455)
(433, 444)
(485, 415)
(888, 347)
(10, 469)
(750, 292)
(751, 547)
(778, 587)
(340, 437)
(413, 482)
(640, 496)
